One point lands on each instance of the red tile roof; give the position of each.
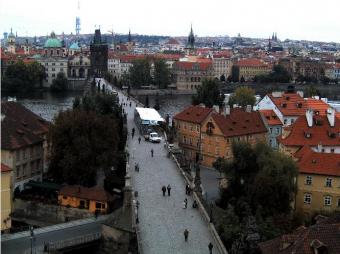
(193, 114)
(311, 162)
(5, 168)
(270, 117)
(96, 193)
(202, 66)
(20, 127)
(300, 134)
(240, 123)
(292, 104)
(303, 240)
(172, 41)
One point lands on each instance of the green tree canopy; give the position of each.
(279, 75)
(254, 174)
(21, 77)
(60, 83)
(162, 76)
(243, 96)
(140, 73)
(208, 93)
(87, 138)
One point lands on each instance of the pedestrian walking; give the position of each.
(151, 152)
(186, 235)
(133, 132)
(137, 204)
(186, 189)
(130, 104)
(163, 190)
(169, 189)
(185, 203)
(210, 246)
(139, 139)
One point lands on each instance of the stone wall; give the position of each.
(46, 214)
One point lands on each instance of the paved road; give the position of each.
(163, 220)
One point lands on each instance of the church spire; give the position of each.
(191, 38)
(129, 37)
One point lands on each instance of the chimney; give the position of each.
(216, 108)
(248, 108)
(277, 94)
(331, 116)
(309, 117)
(226, 110)
(300, 93)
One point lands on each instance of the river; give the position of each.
(47, 104)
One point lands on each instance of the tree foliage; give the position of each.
(261, 184)
(140, 73)
(208, 93)
(243, 96)
(279, 75)
(60, 83)
(21, 77)
(87, 138)
(162, 76)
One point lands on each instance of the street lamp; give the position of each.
(211, 212)
(31, 237)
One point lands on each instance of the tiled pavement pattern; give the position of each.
(162, 220)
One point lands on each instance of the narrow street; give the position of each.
(162, 219)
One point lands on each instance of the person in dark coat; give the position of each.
(139, 139)
(169, 189)
(210, 246)
(151, 152)
(186, 235)
(163, 190)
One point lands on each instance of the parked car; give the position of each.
(154, 138)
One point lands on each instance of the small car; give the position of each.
(154, 138)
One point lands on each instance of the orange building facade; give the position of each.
(93, 199)
(206, 135)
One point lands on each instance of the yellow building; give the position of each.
(318, 182)
(202, 131)
(92, 199)
(6, 197)
(23, 143)
(249, 68)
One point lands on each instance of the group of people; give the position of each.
(164, 189)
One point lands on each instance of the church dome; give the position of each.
(53, 42)
(75, 46)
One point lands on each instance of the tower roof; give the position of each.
(53, 42)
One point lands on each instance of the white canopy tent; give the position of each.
(148, 116)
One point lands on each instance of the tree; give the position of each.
(235, 73)
(243, 96)
(279, 75)
(87, 138)
(208, 93)
(21, 77)
(222, 78)
(139, 73)
(161, 74)
(60, 83)
(311, 91)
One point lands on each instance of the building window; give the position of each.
(53, 64)
(271, 130)
(17, 155)
(217, 150)
(327, 200)
(328, 182)
(197, 128)
(61, 64)
(24, 153)
(53, 75)
(184, 140)
(309, 180)
(100, 205)
(18, 171)
(53, 69)
(307, 198)
(32, 167)
(332, 150)
(24, 169)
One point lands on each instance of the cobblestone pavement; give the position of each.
(162, 219)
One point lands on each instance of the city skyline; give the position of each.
(302, 20)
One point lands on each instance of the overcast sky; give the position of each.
(293, 19)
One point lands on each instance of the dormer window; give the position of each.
(299, 105)
(210, 127)
(308, 135)
(284, 105)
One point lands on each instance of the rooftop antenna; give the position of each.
(78, 22)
